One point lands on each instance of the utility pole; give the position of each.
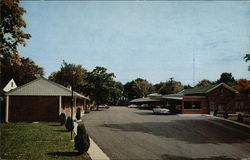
(171, 84)
(72, 101)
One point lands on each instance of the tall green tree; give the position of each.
(227, 78)
(12, 24)
(170, 87)
(137, 88)
(12, 65)
(70, 75)
(100, 85)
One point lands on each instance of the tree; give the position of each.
(82, 141)
(243, 86)
(100, 85)
(203, 82)
(227, 78)
(116, 93)
(70, 74)
(11, 24)
(22, 70)
(169, 87)
(137, 88)
(187, 86)
(247, 57)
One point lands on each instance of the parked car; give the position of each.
(145, 106)
(132, 106)
(104, 106)
(161, 109)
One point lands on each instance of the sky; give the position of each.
(153, 40)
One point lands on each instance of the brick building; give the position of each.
(41, 100)
(202, 100)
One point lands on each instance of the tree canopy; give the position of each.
(11, 27)
(70, 74)
(100, 85)
(203, 82)
(168, 87)
(137, 88)
(22, 70)
(247, 57)
(227, 78)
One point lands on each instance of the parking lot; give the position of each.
(129, 133)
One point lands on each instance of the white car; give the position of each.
(132, 106)
(160, 110)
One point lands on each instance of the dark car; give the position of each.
(145, 106)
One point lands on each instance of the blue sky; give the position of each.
(154, 40)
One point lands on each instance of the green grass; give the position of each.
(246, 120)
(37, 141)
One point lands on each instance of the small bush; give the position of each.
(82, 139)
(240, 118)
(225, 115)
(87, 111)
(62, 118)
(215, 113)
(69, 124)
(78, 113)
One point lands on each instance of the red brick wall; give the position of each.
(227, 99)
(66, 105)
(204, 105)
(33, 108)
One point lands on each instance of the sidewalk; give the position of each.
(94, 151)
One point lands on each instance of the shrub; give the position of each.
(69, 124)
(82, 139)
(78, 113)
(240, 118)
(62, 118)
(225, 115)
(215, 113)
(87, 111)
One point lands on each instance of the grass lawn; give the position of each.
(246, 120)
(37, 141)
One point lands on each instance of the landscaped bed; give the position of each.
(233, 117)
(37, 141)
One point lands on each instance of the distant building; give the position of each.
(11, 85)
(201, 100)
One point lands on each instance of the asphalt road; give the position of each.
(127, 133)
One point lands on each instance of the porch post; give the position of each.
(7, 110)
(60, 105)
(182, 106)
(84, 107)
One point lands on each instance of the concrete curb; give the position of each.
(95, 152)
(244, 125)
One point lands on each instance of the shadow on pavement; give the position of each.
(168, 157)
(145, 113)
(192, 131)
(63, 154)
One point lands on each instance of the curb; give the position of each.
(94, 151)
(244, 125)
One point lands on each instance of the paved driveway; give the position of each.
(127, 133)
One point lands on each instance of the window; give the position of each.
(192, 105)
(11, 84)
